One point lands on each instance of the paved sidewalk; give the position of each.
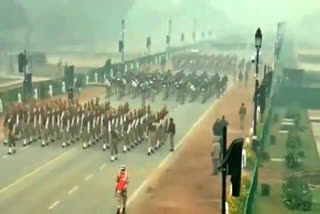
(185, 184)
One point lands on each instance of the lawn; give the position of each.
(273, 203)
(273, 172)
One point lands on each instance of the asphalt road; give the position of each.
(72, 180)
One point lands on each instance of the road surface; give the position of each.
(72, 180)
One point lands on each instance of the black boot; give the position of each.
(118, 211)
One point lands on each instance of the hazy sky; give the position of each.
(95, 24)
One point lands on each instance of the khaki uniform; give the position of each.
(215, 156)
(242, 115)
(65, 127)
(115, 139)
(152, 136)
(45, 131)
(85, 128)
(24, 125)
(11, 130)
(126, 135)
(5, 128)
(106, 132)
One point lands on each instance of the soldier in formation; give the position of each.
(194, 76)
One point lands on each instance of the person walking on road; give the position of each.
(242, 115)
(216, 128)
(122, 180)
(215, 155)
(171, 131)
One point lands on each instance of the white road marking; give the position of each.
(34, 171)
(5, 156)
(277, 159)
(88, 177)
(54, 204)
(104, 165)
(73, 189)
(25, 147)
(165, 160)
(148, 179)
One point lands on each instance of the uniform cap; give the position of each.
(123, 167)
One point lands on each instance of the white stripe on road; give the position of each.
(5, 156)
(54, 204)
(277, 159)
(73, 189)
(165, 160)
(101, 167)
(89, 177)
(148, 179)
(35, 171)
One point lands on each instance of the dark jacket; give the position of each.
(172, 128)
(216, 128)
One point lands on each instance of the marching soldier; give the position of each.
(108, 88)
(65, 127)
(126, 134)
(11, 130)
(39, 122)
(35, 125)
(85, 128)
(106, 131)
(25, 132)
(126, 107)
(152, 135)
(91, 128)
(5, 127)
(131, 135)
(115, 139)
(78, 122)
(73, 125)
(143, 96)
(31, 125)
(46, 131)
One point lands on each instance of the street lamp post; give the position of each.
(169, 33)
(258, 42)
(122, 37)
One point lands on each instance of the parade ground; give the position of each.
(72, 180)
(184, 183)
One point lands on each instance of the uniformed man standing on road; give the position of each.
(215, 155)
(122, 180)
(242, 115)
(171, 131)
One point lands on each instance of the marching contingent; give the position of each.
(70, 122)
(90, 123)
(192, 78)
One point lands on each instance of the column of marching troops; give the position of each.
(90, 123)
(184, 82)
